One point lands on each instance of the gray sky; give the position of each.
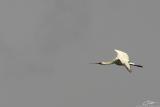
(46, 47)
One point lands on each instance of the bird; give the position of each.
(122, 59)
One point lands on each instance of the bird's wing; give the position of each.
(124, 58)
(122, 55)
(127, 66)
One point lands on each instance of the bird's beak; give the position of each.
(96, 63)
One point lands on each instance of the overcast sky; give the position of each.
(46, 47)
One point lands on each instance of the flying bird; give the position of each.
(122, 59)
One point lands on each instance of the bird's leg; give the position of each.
(137, 65)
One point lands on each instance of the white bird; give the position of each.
(122, 59)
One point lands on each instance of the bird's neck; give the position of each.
(107, 63)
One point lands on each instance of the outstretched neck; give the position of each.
(107, 63)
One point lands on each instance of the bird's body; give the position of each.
(122, 59)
